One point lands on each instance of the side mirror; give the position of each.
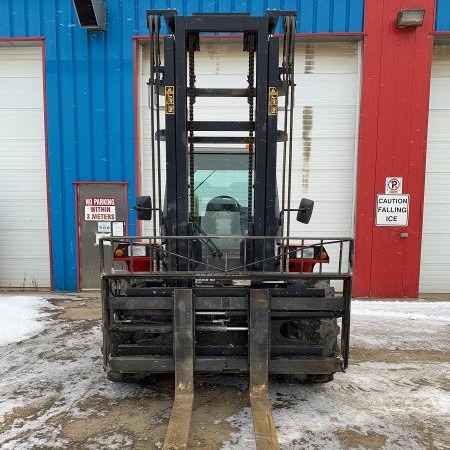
(144, 207)
(305, 210)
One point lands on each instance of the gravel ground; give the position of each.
(53, 393)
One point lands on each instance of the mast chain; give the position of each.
(191, 50)
(251, 82)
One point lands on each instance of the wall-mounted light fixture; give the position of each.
(91, 14)
(410, 18)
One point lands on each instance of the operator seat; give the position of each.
(223, 216)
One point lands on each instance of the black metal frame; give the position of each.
(290, 298)
(282, 307)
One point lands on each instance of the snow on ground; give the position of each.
(58, 370)
(384, 402)
(21, 318)
(401, 325)
(373, 401)
(56, 377)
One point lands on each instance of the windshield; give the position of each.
(221, 195)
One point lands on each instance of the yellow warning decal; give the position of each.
(169, 92)
(273, 101)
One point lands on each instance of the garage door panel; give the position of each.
(26, 278)
(324, 122)
(322, 186)
(438, 129)
(25, 247)
(325, 154)
(20, 92)
(28, 123)
(21, 212)
(440, 223)
(326, 110)
(440, 95)
(16, 51)
(434, 279)
(20, 68)
(328, 219)
(237, 80)
(11, 225)
(438, 156)
(441, 60)
(13, 146)
(24, 259)
(221, 58)
(435, 260)
(326, 57)
(30, 180)
(28, 195)
(438, 188)
(209, 110)
(319, 89)
(437, 250)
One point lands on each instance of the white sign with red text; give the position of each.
(100, 209)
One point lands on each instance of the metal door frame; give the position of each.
(76, 185)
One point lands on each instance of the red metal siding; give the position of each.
(393, 132)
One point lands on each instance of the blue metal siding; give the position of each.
(90, 96)
(443, 15)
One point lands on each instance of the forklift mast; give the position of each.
(266, 82)
(261, 128)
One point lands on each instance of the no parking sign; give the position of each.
(394, 185)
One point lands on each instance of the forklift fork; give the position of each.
(259, 350)
(177, 434)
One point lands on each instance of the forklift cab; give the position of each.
(221, 196)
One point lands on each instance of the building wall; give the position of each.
(393, 136)
(89, 92)
(90, 104)
(442, 15)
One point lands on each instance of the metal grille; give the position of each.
(294, 257)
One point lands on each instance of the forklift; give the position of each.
(221, 285)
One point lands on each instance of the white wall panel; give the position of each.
(24, 258)
(435, 262)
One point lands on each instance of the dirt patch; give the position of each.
(140, 423)
(86, 308)
(130, 418)
(358, 354)
(17, 417)
(430, 436)
(356, 438)
(212, 405)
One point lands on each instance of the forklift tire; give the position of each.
(308, 379)
(119, 377)
(323, 332)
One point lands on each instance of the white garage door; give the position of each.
(435, 264)
(326, 117)
(24, 255)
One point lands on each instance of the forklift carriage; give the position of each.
(221, 285)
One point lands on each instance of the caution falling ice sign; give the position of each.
(392, 210)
